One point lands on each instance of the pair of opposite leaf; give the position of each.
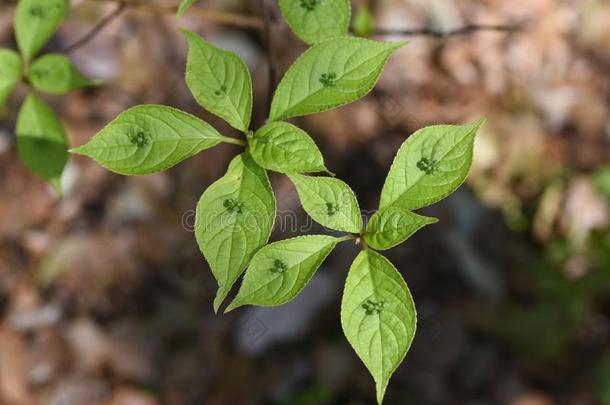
(41, 138)
(235, 215)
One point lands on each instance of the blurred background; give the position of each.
(106, 299)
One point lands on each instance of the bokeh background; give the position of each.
(106, 299)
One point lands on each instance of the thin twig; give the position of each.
(269, 20)
(220, 17)
(465, 30)
(96, 29)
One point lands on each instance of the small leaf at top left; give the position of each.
(56, 74)
(35, 22)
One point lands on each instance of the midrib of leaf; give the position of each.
(419, 176)
(240, 194)
(378, 322)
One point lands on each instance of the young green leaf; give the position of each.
(316, 20)
(41, 140)
(391, 226)
(234, 219)
(10, 72)
(429, 166)
(364, 22)
(279, 271)
(284, 148)
(220, 81)
(148, 139)
(330, 74)
(378, 316)
(184, 5)
(329, 201)
(55, 74)
(35, 22)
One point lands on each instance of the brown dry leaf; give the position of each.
(14, 367)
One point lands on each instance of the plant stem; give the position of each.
(348, 237)
(269, 20)
(465, 30)
(234, 141)
(122, 6)
(220, 17)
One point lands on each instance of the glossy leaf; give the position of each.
(378, 316)
(183, 6)
(41, 140)
(391, 226)
(35, 22)
(148, 139)
(329, 201)
(284, 148)
(317, 20)
(330, 74)
(55, 74)
(10, 72)
(429, 166)
(220, 81)
(279, 271)
(234, 219)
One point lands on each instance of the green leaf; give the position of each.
(317, 20)
(148, 139)
(329, 201)
(184, 5)
(285, 148)
(601, 178)
(430, 165)
(35, 22)
(391, 226)
(10, 72)
(330, 74)
(55, 74)
(41, 140)
(364, 22)
(378, 316)
(279, 271)
(234, 219)
(220, 81)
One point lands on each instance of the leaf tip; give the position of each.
(187, 33)
(79, 150)
(56, 185)
(331, 174)
(380, 388)
(479, 123)
(431, 220)
(233, 305)
(220, 297)
(395, 45)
